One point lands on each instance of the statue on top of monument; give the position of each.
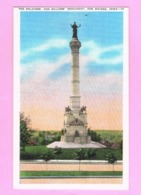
(74, 26)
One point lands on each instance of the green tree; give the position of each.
(48, 155)
(24, 131)
(57, 136)
(57, 151)
(121, 146)
(91, 153)
(80, 154)
(94, 136)
(112, 159)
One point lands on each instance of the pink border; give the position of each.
(6, 97)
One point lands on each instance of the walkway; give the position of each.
(70, 167)
(73, 181)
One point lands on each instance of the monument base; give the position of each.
(75, 145)
(76, 139)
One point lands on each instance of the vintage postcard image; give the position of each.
(71, 97)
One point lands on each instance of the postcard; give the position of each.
(72, 102)
(66, 97)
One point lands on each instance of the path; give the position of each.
(73, 181)
(70, 167)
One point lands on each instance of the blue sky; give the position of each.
(102, 29)
(46, 65)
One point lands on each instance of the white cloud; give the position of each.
(52, 43)
(95, 52)
(106, 85)
(41, 69)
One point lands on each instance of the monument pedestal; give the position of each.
(75, 145)
(77, 140)
(75, 127)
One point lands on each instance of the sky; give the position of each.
(45, 65)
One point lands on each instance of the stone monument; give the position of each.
(75, 133)
(75, 117)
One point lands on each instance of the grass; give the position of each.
(111, 135)
(36, 152)
(70, 173)
(101, 153)
(36, 149)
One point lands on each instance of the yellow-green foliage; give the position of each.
(111, 135)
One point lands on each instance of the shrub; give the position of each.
(94, 136)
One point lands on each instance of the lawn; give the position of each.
(36, 152)
(69, 173)
(111, 135)
(36, 149)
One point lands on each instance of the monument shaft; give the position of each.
(75, 82)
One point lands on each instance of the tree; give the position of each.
(112, 159)
(47, 156)
(91, 153)
(24, 131)
(57, 136)
(94, 136)
(80, 154)
(57, 151)
(121, 146)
